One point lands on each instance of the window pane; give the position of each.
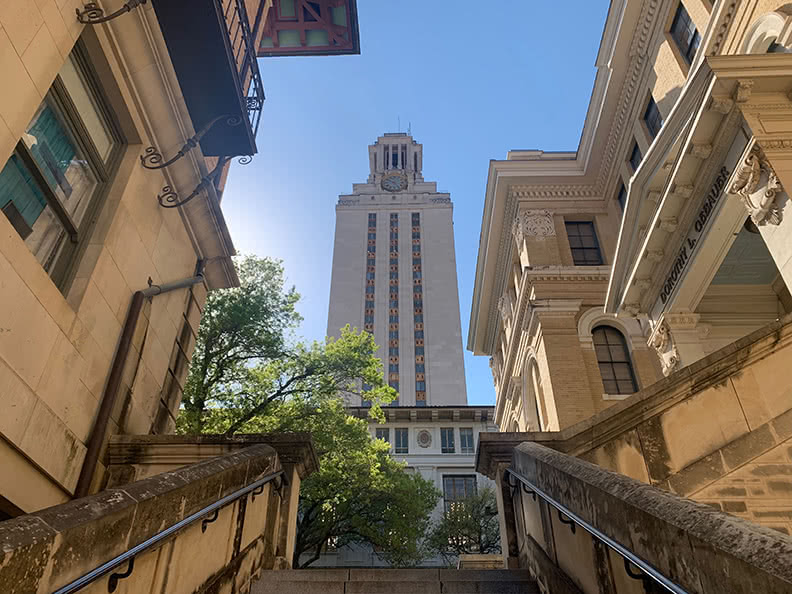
(63, 165)
(24, 204)
(87, 108)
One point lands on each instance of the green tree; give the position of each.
(248, 376)
(239, 327)
(360, 494)
(468, 526)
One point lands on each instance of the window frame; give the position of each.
(652, 118)
(597, 246)
(59, 100)
(683, 54)
(400, 433)
(636, 149)
(470, 449)
(628, 362)
(447, 447)
(468, 479)
(382, 430)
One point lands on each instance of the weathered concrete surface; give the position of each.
(696, 546)
(43, 551)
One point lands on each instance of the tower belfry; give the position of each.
(394, 274)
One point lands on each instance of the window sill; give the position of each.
(616, 396)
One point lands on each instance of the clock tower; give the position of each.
(394, 274)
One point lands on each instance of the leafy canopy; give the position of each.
(468, 526)
(247, 375)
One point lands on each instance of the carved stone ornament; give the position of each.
(662, 342)
(631, 309)
(757, 185)
(533, 223)
(424, 438)
(505, 306)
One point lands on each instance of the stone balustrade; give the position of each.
(48, 549)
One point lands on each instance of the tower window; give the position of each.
(583, 243)
(614, 361)
(394, 160)
(685, 34)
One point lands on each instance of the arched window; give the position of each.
(533, 397)
(614, 361)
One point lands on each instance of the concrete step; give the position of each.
(396, 581)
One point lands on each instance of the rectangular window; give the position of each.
(419, 334)
(685, 34)
(635, 157)
(402, 446)
(394, 261)
(51, 185)
(622, 197)
(466, 444)
(416, 248)
(369, 305)
(370, 290)
(447, 440)
(419, 368)
(419, 351)
(393, 352)
(584, 245)
(393, 335)
(383, 433)
(652, 118)
(457, 488)
(393, 368)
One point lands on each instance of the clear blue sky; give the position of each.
(474, 79)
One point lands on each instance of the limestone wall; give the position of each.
(50, 548)
(57, 338)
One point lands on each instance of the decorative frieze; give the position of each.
(701, 151)
(669, 224)
(757, 185)
(533, 223)
(505, 306)
(721, 105)
(662, 342)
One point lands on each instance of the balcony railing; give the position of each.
(244, 51)
(212, 48)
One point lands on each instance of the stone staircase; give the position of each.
(396, 581)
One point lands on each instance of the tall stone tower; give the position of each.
(394, 275)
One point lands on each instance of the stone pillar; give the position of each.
(290, 497)
(566, 386)
(510, 547)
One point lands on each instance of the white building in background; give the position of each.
(394, 275)
(437, 442)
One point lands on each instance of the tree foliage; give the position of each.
(248, 376)
(468, 526)
(360, 495)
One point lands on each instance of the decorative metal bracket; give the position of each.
(567, 521)
(92, 14)
(512, 482)
(528, 491)
(168, 198)
(278, 487)
(209, 519)
(636, 575)
(257, 491)
(112, 583)
(153, 159)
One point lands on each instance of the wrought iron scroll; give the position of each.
(112, 582)
(169, 198)
(153, 159)
(209, 519)
(92, 14)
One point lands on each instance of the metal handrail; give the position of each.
(129, 556)
(628, 556)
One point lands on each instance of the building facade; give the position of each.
(437, 442)
(633, 295)
(394, 275)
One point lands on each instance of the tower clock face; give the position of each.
(394, 183)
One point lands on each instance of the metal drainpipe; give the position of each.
(110, 393)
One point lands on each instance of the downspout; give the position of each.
(110, 393)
